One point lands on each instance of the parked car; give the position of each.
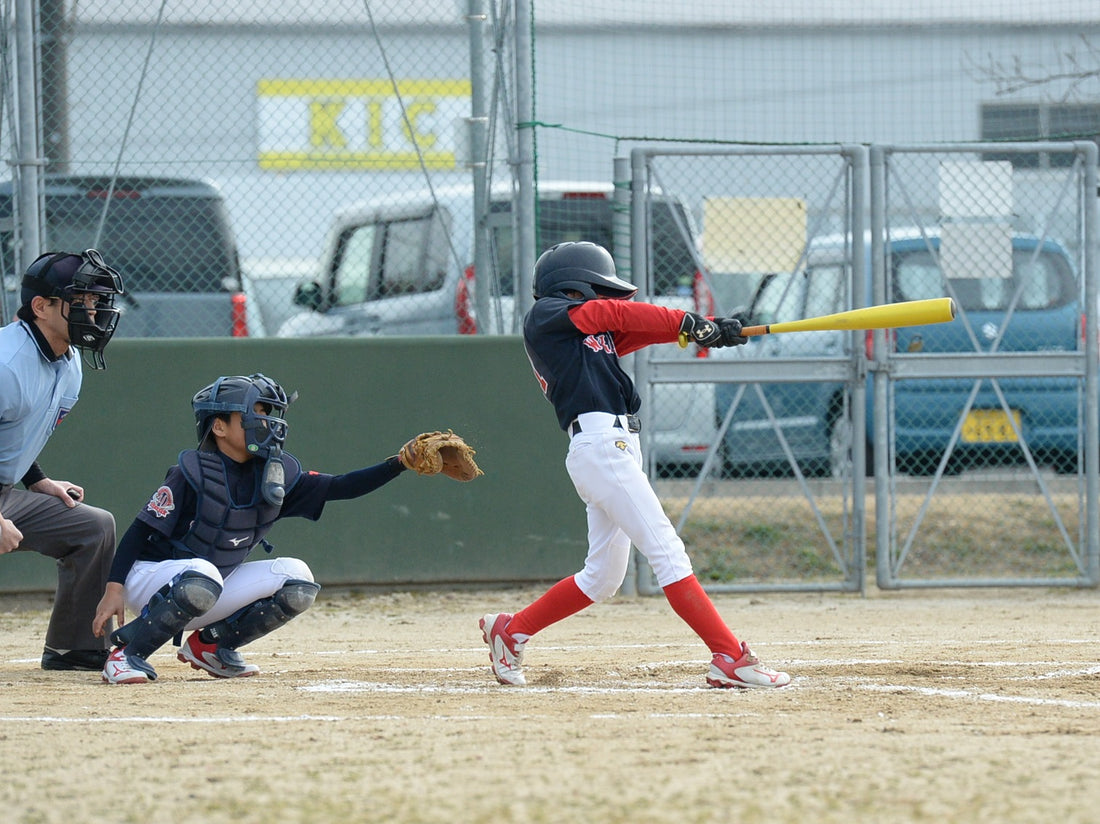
(169, 237)
(403, 265)
(1027, 304)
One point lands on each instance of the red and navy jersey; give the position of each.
(574, 347)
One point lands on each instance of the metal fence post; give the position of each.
(858, 158)
(524, 215)
(880, 436)
(1088, 155)
(29, 161)
(477, 126)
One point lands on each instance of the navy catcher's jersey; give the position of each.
(577, 372)
(172, 509)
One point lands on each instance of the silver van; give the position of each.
(403, 265)
(169, 237)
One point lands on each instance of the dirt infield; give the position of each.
(961, 706)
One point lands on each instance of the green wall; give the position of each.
(359, 401)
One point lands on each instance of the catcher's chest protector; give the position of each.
(224, 532)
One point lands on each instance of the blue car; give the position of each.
(1020, 294)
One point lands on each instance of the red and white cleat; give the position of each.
(127, 669)
(218, 661)
(745, 672)
(505, 652)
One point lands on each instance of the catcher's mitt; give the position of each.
(431, 453)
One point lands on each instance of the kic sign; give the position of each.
(361, 124)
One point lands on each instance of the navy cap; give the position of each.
(52, 273)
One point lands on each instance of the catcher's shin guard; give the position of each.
(170, 609)
(263, 616)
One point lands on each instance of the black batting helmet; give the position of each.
(585, 267)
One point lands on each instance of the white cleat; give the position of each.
(745, 672)
(127, 669)
(218, 661)
(505, 652)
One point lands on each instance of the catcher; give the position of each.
(181, 565)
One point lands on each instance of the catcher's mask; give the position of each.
(265, 433)
(87, 288)
(580, 266)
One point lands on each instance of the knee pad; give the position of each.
(296, 597)
(169, 610)
(263, 616)
(195, 593)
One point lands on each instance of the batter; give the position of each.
(582, 322)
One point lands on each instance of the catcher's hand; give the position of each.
(432, 453)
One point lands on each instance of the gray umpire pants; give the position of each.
(82, 541)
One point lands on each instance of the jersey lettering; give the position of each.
(543, 385)
(600, 343)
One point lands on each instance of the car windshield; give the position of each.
(1044, 281)
(142, 235)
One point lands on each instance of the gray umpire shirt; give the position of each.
(37, 390)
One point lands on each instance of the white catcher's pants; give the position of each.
(249, 582)
(605, 465)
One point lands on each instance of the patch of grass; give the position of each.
(959, 536)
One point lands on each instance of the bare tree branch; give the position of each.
(1072, 68)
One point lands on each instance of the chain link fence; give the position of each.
(355, 168)
(211, 150)
(746, 442)
(960, 453)
(206, 149)
(985, 428)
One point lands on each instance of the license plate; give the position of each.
(989, 426)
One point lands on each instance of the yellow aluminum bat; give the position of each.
(886, 316)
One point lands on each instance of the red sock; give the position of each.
(691, 603)
(560, 601)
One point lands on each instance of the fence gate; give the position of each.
(756, 451)
(984, 436)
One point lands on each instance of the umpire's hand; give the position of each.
(69, 493)
(10, 536)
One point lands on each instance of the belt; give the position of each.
(597, 421)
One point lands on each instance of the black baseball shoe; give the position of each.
(73, 659)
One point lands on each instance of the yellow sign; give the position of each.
(753, 234)
(361, 124)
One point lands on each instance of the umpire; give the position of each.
(67, 304)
